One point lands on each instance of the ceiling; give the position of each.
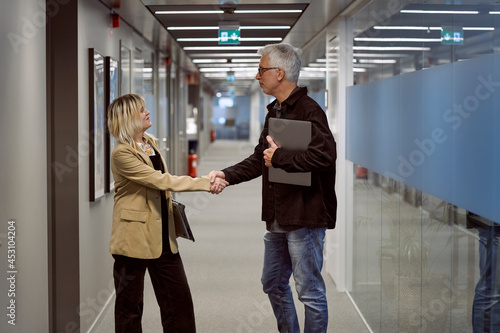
(231, 68)
(307, 30)
(303, 30)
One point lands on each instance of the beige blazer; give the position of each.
(136, 230)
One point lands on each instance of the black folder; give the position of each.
(294, 135)
(182, 228)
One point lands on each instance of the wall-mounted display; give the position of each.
(96, 125)
(111, 78)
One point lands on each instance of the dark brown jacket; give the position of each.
(293, 205)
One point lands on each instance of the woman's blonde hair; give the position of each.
(124, 117)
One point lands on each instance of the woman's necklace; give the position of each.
(146, 147)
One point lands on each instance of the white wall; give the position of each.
(96, 263)
(23, 170)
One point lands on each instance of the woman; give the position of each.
(143, 231)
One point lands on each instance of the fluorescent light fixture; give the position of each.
(193, 28)
(184, 12)
(329, 60)
(377, 61)
(493, 12)
(209, 61)
(256, 39)
(319, 65)
(421, 11)
(359, 70)
(260, 27)
(479, 28)
(267, 11)
(246, 60)
(238, 75)
(221, 48)
(229, 69)
(205, 65)
(265, 27)
(390, 48)
(257, 11)
(224, 55)
(311, 75)
(376, 55)
(393, 27)
(220, 69)
(413, 40)
(198, 39)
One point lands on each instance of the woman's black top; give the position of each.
(158, 165)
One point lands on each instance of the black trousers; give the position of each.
(170, 286)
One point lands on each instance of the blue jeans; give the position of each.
(299, 252)
(486, 306)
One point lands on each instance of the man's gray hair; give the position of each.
(285, 56)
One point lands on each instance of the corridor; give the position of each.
(223, 266)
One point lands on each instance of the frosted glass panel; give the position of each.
(435, 130)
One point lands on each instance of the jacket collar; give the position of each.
(140, 152)
(290, 101)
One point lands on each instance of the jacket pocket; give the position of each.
(128, 215)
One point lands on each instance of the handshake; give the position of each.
(218, 178)
(217, 181)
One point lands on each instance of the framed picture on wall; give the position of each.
(111, 83)
(125, 70)
(96, 125)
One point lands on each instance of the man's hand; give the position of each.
(269, 152)
(217, 181)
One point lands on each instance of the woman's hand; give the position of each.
(217, 182)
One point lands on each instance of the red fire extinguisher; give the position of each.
(212, 135)
(192, 164)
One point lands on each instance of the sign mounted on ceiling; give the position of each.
(452, 35)
(229, 33)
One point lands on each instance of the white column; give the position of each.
(339, 241)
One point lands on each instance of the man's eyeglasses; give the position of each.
(262, 70)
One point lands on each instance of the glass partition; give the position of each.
(416, 256)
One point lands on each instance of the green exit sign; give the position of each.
(229, 37)
(452, 37)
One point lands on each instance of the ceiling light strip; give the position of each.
(209, 61)
(221, 48)
(413, 40)
(192, 28)
(267, 11)
(390, 48)
(256, 11)
(421, 11)
(242, 39)
(184, 12)
(260, 27)
(379, 27)
(392, 27)
(224, 55)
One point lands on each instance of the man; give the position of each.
(296, 216)
(486, 307)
